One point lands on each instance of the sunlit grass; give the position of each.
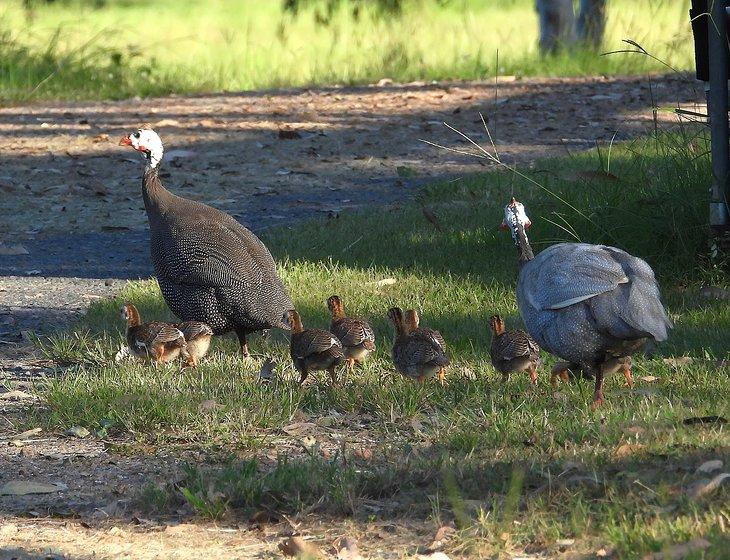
(72, 50)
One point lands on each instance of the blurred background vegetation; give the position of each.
(95, 49)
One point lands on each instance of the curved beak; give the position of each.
(125, 141)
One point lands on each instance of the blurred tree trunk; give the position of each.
(592, 23)
(558, 25)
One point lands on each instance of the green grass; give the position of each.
(515, 468)
(72, 50)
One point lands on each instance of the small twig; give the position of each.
(641, 50)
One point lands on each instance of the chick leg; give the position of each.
(598, 390)
(333, 374)
(533, 374)
(442, 376)
(303, 377)
(626, 369)
(559, 370)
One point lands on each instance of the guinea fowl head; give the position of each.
(496, 324)
(334, 304)
(412, 320)
(147, 142)
(130, 314)
(292, 320)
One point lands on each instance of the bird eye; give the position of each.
(136, 134)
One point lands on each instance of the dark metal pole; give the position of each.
(718, 108)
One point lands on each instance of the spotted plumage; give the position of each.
(416, 355)
(313, 349)
(157, 342)
(356, 335)
(591, 305)
(512, 351)
(197, 338)
(210, 268)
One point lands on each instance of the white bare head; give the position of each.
(515, 216)
(147, 142)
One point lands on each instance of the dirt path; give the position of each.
(74, 227)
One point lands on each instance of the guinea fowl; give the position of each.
(357, 336)
(210, 268)
(413, 328)
(313, 349)
(415, 355)
(155, 341)
(512, 351)
(591, 305)
(197, 337)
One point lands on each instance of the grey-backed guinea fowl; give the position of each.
(357, 336)
(313, 349)
(591, 305)
(210, 268)
(512, 351)
(197, 338)
(415, 355)
(413, 328)
(156, 341)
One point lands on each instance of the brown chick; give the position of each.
(156, 341)
(312, 349)
(357, 336)
(415, 355)
(513, 350)
(412, 321)
(197, 338)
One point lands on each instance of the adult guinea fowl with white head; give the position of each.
(210, 268)
(591, 305)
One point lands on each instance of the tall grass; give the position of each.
(148, 48)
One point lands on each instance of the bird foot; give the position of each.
(597, 402)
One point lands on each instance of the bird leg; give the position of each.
(242, 341)
(559, 370)
(533, 374)
(626, 370)
(158, 353)
(333, 374)
(598, 390)
(442, 377)
(303, 377)
(350, 363)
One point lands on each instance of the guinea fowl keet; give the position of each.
(415, 355)
(313, 349)
(357, 336)
(210, 268)
(197, 338)
(413, 328)
(592, 305)
(512, 351)
(156, 341)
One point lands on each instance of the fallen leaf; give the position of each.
(12, 249)
(627, 449)
(266, 373)
(679, 551)
(710, 466)
(678, 362)
(649, 378)
(77, 432)
(443, 535)
(29, 433)
(384, 282)
(704, 487)
(346, 549)
(23, 487)
(167, 122)
(704, 420)
(297, 546)
(563, 543)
